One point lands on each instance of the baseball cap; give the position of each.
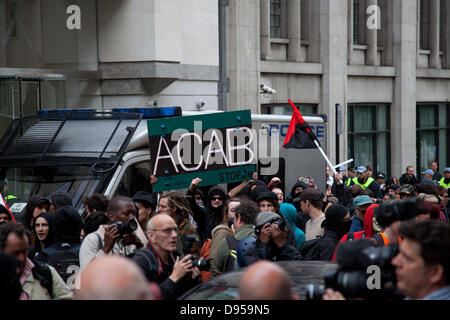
(352, 169)
(341, 168)
(447, 169)
(361, 169)
(362, 200)
(428, 171)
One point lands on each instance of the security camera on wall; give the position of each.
(267, 90)
(200, 104)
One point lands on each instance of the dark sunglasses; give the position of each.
(217, 198)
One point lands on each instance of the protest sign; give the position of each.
(218, 148)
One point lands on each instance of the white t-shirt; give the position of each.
(313, 229)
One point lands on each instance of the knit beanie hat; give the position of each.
(67, 225)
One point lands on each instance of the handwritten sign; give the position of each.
(218, 148)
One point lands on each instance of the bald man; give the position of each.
(276, 284)
(114, 278)
(160, 261)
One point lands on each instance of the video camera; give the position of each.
(399, 210)
(126, 228)
(357, 275)
(201, 264)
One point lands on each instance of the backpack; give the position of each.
(42, 273)
(66, 261)
(231, 262)
(204, 253)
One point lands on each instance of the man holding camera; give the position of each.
(271, 244)
(161, 262)
(122, 237)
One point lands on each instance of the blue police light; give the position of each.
(152, 113)
(62, 113)
(148, 113)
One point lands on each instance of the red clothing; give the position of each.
(366, 233)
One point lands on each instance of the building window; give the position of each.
(275, 18)
(369, 136)
(286, 109)
(433, 135)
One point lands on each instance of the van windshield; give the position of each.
(22, 183)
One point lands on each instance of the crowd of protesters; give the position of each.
(58, 253)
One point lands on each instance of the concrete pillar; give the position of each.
(433, 61)
(333, 52)
(403, 109)
(265, 28)
(371, 40)
(294, 30)
(243, 60)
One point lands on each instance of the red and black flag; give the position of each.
(299, 134)
(4, 208)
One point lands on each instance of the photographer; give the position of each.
(271, 243)
(423, 264)
(389, 217)
(122, 237)
(161, 262)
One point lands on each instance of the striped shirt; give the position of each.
(441, 294)
(29, 265)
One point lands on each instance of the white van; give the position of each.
(84, 151)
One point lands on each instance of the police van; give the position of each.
(87, 151)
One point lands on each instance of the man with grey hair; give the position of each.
(114, 278)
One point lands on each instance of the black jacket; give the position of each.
(207, 218)
(264, 251)
(156, 271)
(404, 179)
(321, 248)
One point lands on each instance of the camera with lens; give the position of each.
(230, 222)
(365, 271)
(201, 264)
(126, 228)
(280, 221)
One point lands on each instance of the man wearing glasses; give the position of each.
(161, 262)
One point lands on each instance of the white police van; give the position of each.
(86, 151)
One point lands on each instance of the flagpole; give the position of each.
(326, 159)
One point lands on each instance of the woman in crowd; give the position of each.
(290, 214)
